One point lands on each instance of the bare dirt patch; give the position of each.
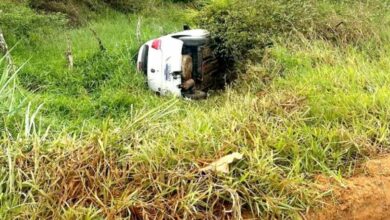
(364, 196)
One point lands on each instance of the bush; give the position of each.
(131, 6)
(127, 5)
(18, 21)
(241, 29)
(238, 27)
(76, 11)
(80, 10)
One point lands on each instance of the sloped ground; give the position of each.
(364, 196)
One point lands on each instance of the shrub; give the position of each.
(79, 10)
(131, 6)
(127, 5)
(18, 21)
(237, 27)
(241, 29)
(76, 11)
(182, 1)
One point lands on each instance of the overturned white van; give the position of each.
(180, 64)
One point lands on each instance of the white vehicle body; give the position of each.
(161, 60)
(162, 64)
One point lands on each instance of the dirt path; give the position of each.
(365, 196)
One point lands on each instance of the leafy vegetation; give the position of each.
(242, 29)
(19, 21)
(92, 142)
(80, 11)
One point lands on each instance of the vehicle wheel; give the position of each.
(196, 95)
(194, 41)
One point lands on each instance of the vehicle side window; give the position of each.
(144, 59)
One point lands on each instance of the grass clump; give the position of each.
(11, 99)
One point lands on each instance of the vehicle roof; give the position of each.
(201, 33)
(194, 33)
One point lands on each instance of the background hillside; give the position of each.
(311, 99)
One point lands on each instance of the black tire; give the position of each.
(194, 41)
(196, 95)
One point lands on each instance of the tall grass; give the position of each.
(87, 91)
(327, 111)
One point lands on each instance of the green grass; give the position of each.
(86, 92)
(103, 146)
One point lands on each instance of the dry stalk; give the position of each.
(69, 53)
(5, 51)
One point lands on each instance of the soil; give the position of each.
(364, 196)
